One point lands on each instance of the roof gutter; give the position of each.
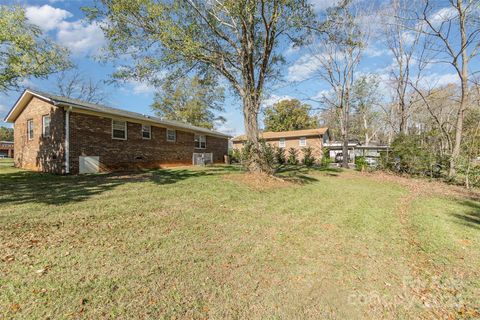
(67, 138)
(9, 114)
(143, 119)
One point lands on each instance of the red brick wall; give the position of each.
(92, 136)
(40, 153)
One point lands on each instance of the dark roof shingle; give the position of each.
(59, 100)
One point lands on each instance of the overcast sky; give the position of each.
(64, 22)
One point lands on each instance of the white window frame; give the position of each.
(149, 130)
(282, 143)
(30, 129)
(198, 138)
(174, 135)
(302, 142)
(125, 127)
(44, 133)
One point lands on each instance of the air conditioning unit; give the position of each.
(89, 164)
(201, 159)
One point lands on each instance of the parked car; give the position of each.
(372, 162)
(339, 157)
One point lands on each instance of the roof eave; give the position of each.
(10, 115)
(206, 131)
(243, 138)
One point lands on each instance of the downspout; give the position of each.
(67, 140)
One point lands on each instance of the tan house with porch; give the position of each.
(6, 149)
(297, 139)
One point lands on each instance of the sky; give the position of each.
(63, 21)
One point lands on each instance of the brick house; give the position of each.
(61, 135)
(297, 139)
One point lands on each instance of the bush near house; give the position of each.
(266, 149)
(280, 156)
(325, 161)
(234, 155)
(292, 156)
(308, 158)
(361, 164)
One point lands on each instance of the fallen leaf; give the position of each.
(41, 271)
(15, 307)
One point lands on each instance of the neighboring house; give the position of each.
(61, 135)
(298, 139)
(6, 149)
(356, 149)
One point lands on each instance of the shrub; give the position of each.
(385, 160)
(264, 148)
(325, 161)
(280, 156)
(245, 153)
(292, 156)
(269, 152)
(409, 156)
(469, 171)
(308, 158)
(234, 155)
(361, 164)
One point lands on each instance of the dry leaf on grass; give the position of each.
(258, 181)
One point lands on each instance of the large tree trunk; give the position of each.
(458, 136)
(344, 125)
(464, 98)
(256, 162)
(365, 128)
(345, 151)
(403, 117)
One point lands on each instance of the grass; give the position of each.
(216, 243)
(6, 162)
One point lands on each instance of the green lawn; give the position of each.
(214, 243)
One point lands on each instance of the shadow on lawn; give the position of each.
(471, 216)
(34, 187)
(169, 176)
(301, 174)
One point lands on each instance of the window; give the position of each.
(171, 135)
(281, 143)
(46, 126)
(146, 132)
(200, 142)
(325, 137)
(30, 129)
(303, 142)
(119, 130)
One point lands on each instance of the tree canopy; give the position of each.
(289, 115)
(75, 85)
(240, 40)
(6, 134)
(192, 100)
(25, 51)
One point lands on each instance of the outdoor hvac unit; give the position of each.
(201, 159)
(89, 164)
